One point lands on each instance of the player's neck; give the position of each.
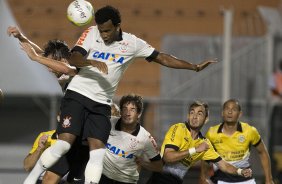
(229, 128)
(194, 133)
(128, 128)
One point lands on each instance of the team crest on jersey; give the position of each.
(133, 143)
(67, 122)
(123, 47)
(241, 138)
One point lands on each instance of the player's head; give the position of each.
(115, 111)
(198, 114)
(57, 50)
(131, 107)
(231, 111)
(108, 20)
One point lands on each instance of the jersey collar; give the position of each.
(135, 132)
(239, 127)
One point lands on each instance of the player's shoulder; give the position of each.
(214, 129)
(247, 127)
(128, 36)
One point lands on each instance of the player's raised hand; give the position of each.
(102, 67)
(14, 31)
(42, 141)
(247, 172)
(205, 63)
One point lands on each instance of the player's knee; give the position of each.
(95, 144)
(50, 177)
(60, 148)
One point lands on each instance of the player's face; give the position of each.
(129, 114)
(197, 117)
(108, 32)
(231, 112)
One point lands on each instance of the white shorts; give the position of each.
(251, 181)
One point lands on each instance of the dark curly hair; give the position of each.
(108, 13)
(134, 99)
(58, 49)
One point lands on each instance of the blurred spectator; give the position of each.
(276, 83)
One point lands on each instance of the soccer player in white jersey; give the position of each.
(129, 145)
(85, 108)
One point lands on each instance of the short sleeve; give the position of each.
(85, 41)
(143, 49)
(173, 138)
(151, 148)
(255, 136)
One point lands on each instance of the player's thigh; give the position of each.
(72, 117)
(97, 126)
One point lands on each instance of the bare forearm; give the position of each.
(173, 62)
(31, 159)
(265, 161)
(56, 65)
(174, 156)
(24, 39)
(228, 168)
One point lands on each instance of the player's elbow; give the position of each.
(27, 167)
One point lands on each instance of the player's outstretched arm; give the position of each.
(265, 162)
(173, 62)
(78, 61)
(204, 176)
(31, 159)
(14, 31)
(228, 168)
(171, 155)
(58, 66)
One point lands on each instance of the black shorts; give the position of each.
(84, 117)
(164, 178)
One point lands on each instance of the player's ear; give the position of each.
(241, 113)
(118, 27)
(139, 115)
(206, 120)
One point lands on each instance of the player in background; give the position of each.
(232, 139)
(54, 55)
(129, 145)
(91, 91)
(184, 145)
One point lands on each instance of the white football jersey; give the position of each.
(96, 85)
(122, 149)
